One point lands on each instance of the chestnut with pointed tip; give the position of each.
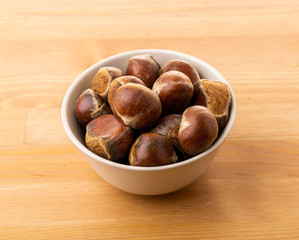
(138, 106)
(216, 97)
(102, 80)
(89, 106)
(198, 130)
(117, 83)
(168, 126)
(109, 137)
(175, 91)
(182, 66)
(144, 67)
(152, 149)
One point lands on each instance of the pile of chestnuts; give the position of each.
(152, 115)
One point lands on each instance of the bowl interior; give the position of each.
(83, 81)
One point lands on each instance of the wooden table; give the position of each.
(48, 190)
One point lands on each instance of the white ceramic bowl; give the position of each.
(142, 180)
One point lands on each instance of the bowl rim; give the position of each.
(85, 150)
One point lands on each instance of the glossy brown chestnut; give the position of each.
(182, 66)
(138, 106)
(152, 149)
(198, 130)
(175, 91)
(109, 137)
(144, 67)
(102, 80)
(169, 126)
(216, 97)
(89, 105)
(117, 83)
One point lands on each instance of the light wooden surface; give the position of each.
(47, 189)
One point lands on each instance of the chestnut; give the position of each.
(118, 82)
(168, 126)
(144, 67)
(152, 149)
(102, 80)
(216, 97)
(89, 106)
(175, 91)
(138, 106)
(182, 66)
(109, 137)
(198, 129)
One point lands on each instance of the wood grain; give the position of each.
(48, 190)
